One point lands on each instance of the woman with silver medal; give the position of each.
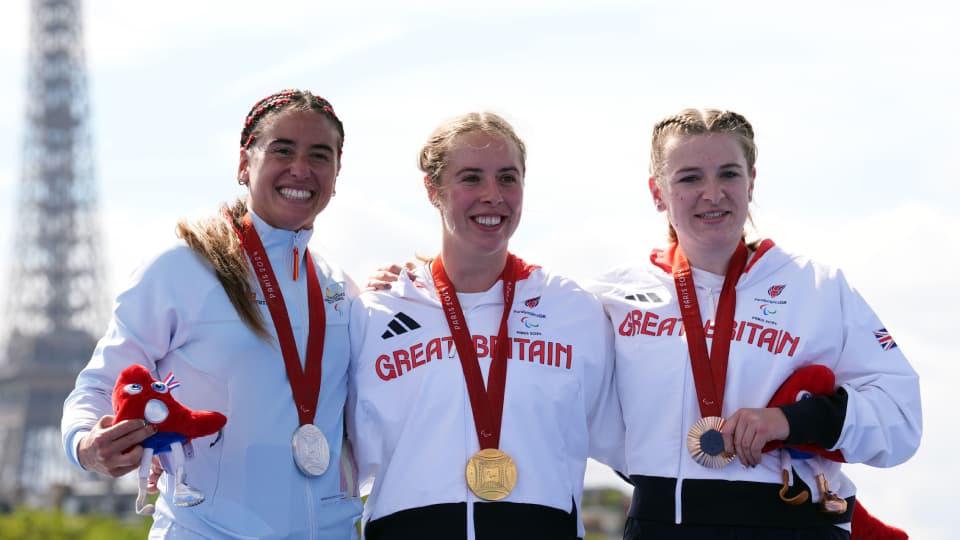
(710, 327)
(480, 383)
(251, 322)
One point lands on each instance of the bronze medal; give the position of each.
(311, 452)
(830, 502)
(704, 440)
(705, 443)
(491, 474)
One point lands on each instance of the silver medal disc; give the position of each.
(310, 450)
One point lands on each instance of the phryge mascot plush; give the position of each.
(137, 395)
(803, 383)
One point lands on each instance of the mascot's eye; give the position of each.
(133, 389)
(159, 387)
(803, 394)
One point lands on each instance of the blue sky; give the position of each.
(853, 104)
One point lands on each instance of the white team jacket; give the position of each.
(410, 415)
(790, 312)
(175, 316)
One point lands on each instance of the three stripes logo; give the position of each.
(400, 324)
(644, 297)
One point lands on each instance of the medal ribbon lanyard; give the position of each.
(487, 404)
(305, 384)
(710, 383)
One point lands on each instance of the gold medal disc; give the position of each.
(705, 443)
(491, 474)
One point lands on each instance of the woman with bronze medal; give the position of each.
(481, 383)
(253, 324)
(708, 330)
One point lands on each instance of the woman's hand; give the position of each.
(385, 275)
(114, 449)
(748, 430)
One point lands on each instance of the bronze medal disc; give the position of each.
(491, 474)
(705, 443)
(310, 450)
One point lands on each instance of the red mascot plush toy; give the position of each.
(806, 382)
(137, 395)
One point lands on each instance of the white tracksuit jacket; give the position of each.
(175, 316)
(410, 415)
(790, 312)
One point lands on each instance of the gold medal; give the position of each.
(705, 443)
(491, 474)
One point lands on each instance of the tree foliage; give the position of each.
(28, 524)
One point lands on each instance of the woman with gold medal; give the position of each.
(480, 383)
(706, 332)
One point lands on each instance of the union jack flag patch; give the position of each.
(884, 339)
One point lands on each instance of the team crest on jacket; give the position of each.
(532, 302)
(775, 290)
(334, 292)
(884, 339)
(530, 320)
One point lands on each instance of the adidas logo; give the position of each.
(400, 324)
(644, 297)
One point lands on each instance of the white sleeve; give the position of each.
(604, 415)
(142, 329)
(883, 421)
(354, 417)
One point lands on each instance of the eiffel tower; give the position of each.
(55, 304)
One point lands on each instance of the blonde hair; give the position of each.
(215, 239)
(434, 154)
(690, 122)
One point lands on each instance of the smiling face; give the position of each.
(480, 194)
(292, 168)
(705, 189)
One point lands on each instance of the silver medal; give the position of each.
(310, 450)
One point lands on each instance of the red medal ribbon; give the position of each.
(487, 403)
(710, 384)
(305, 386)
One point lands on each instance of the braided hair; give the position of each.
(698, 122)
(297, 100)
(215, 238)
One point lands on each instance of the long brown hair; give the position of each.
(215, 239)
